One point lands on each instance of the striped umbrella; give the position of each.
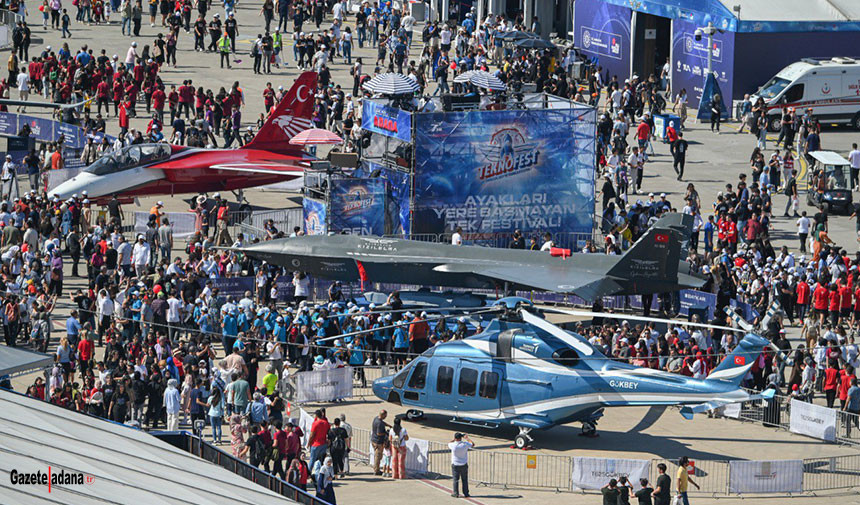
(315, 136)
(391, 84)
(482, 79)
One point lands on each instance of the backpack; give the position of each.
(338, 444)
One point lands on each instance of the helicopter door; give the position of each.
(478, 391)
(415, 391)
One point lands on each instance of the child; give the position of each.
(65, 21)
(386, 458)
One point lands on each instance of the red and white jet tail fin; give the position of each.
(291, 116)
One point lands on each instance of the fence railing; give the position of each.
(777, 414)
(530, 470)
(194, 445)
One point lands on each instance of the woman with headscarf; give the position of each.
(325, 479)
(237, 431)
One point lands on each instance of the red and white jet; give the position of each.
(166, 169)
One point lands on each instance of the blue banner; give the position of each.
(42, 129)
(397, 198)
(72, 135)
(358, 206)
(8, 123)
(497, 171)
(602, 31)
(385, 120)
(691, 62)
(315, 217)
(230, 286)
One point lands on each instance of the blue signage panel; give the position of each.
(496, 171)
(385, 120)
(314, 213)
(690, 62)
(602, 31)
(358, 206)
(8, 123)
(398, 195)
(230, 286)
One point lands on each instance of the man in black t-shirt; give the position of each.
(114, 210)
(662, 492)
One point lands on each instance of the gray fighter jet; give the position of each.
(654, 264)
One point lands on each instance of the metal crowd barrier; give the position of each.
(777, 414)
(530, 470)
(195, 445)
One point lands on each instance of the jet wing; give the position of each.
(263, 167)
(561, 279)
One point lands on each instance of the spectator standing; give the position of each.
(318, 441)
(398, 437)
(662, 492)
(172, 403)
(683, 479)
(460, 462)
(378, 437)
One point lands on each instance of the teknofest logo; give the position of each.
(509, 154)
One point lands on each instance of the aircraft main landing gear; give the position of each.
(414, 415)
(523, 440)
(589, 429)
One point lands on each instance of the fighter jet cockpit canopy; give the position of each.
(129, 157)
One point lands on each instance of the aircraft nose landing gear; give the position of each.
(523, 440)
(414, 415)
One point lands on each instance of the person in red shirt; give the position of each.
(801, 303)
(102, 93)
(831, 382)
(419, 331)
(173, 102)
(732, 235)
(318, 438)
(86, 349)
(643, 133)
(820, 298)
(118, 92)
(268, 98)
(158, 98)
(186, 98)
(856, 317)
(131, 98)
(123, 119)
(845, 302)
(834, 303)
(845, 376)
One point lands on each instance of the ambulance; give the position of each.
(831, 88)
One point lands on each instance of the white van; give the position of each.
(830, 87)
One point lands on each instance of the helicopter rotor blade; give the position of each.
(611, 315)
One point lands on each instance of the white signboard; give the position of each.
(417, 455)
(813, 420)
(594, 473)
(781, 476)
(323, 385)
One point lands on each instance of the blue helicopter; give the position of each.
(524, 371)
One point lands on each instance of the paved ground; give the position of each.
(713, 161)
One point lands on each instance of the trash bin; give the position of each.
(662, 122)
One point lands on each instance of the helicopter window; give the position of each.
(419, 376)
(445, 380)
(468, 381)
(400, 379)
(489, 385)
(566, 357)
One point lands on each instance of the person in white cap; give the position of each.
(131, 55)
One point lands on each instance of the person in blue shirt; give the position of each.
(401, 344)
(73, 329)
(356, 360)
(204, 322)
(280, 330)
(242, 321)
(709, 234)
(469, 23)
(229, 330)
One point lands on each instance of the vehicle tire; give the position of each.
(589, 429)
(414, 415)
(774, 124)
(522, 441)
(855, 122)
